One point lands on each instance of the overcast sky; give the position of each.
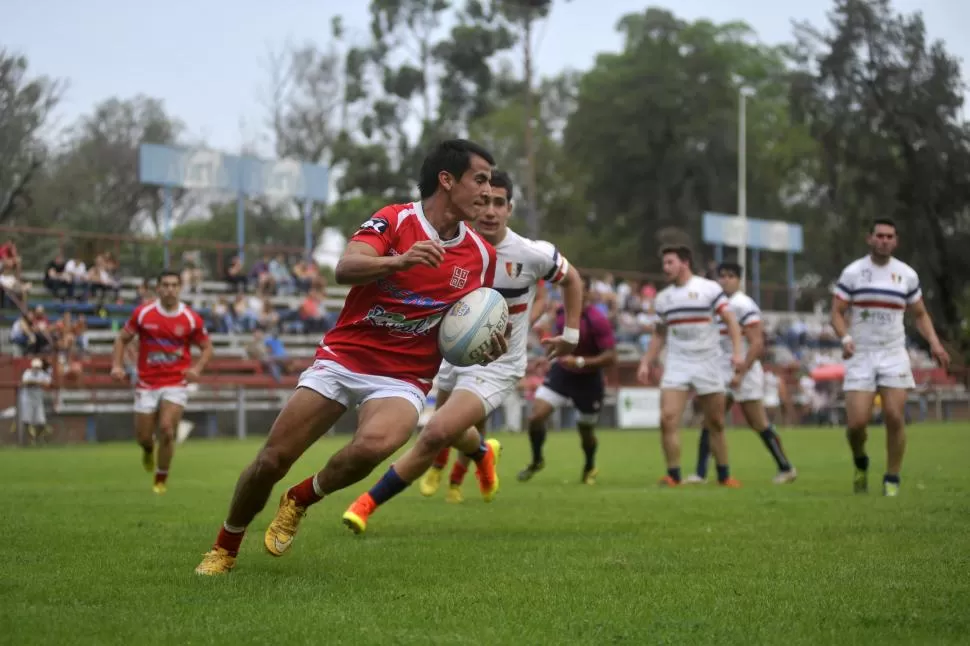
(207, 58)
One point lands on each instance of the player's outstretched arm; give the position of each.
(924, 323)
(118, 353)
(566, 342)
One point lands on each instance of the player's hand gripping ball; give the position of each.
(465, 334)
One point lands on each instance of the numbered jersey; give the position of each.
(389, 327)
(165, 340)
(746, 312)
(687, 311)
(522, 263)
(878, 296)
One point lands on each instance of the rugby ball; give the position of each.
(465, 333)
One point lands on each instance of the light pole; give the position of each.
(743, 93)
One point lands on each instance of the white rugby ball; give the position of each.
(465, 333)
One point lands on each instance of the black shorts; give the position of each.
(584, 389)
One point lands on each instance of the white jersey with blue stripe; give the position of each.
(687, 311)
(746, 312)
(878, 296)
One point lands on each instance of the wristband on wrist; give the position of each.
(846, 339)
(570, 335)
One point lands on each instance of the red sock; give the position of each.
(458, 472)
(304, 494)
(441, 460)
(229, 541)
(161, 477)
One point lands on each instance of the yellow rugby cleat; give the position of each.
(487, 472)
(355, 518)
(890, 489)
(454, 494)
(589, 477)
(431, 481)
(280, 533)
(159, 488)
(216, 561)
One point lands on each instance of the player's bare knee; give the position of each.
(435, 437)
(166, 434)
(894, 420)
(272, 463)
(668, 422)
(371, 450)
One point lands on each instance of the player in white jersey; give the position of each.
(746, 387)
(522, 265)
(870, 298)
(686, 309)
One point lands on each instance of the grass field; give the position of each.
(91, 556)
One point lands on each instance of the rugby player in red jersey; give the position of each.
(408, 264)
(166, 329)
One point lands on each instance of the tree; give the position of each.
(883, 104)
(25, 107)
(92, 184)
(656, 127)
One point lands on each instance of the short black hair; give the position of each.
(168, 273)
(453, 156)
(681, 250)
(731, 268)
(501, 179)
(885, 221)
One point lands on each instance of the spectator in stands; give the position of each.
(243, 315)
(29, 337)
(313, 313)
(191, 277)
(648, 292)
(236, 275)
(77, 271)
(304, 275)
(101, 280)
(10, 257)
(146, 291)
(261, 276)
(222, 316)
(56, 279)
(12, 285)
(257, 350)
(280, 272)
(62, 333)
(269, 318)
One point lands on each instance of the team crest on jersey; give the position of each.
(377, 225)
(692, 295)
(896, 278)
(179, 330)
(459, 278)
(513, 269)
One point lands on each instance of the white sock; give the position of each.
(316, 487)
(233, 530)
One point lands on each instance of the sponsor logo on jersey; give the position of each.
(692, 295)
(163, 358)
(179, 330)
(399, 324)
(377, 225)
(867, 275)
(407, 296)
(459, 278)
(513, 269)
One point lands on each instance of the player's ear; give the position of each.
(446, 180)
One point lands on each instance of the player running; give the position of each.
(747, 386)
(522, 264)
(576, 378)
(408, 264)
(877, 289)
(686, 309)
(166, 329)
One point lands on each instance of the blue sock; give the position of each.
(476, 456)
(703, 453)
(891, 477)
(861, 462)
(387, 487)
(723, 472)
(674, 473)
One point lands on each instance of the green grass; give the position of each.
(90, 556)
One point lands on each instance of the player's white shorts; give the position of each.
(147, 399)
(868, 370)
(752, 387)
(705, 375)
(350, 388)
(492, 383)
(772, 399)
